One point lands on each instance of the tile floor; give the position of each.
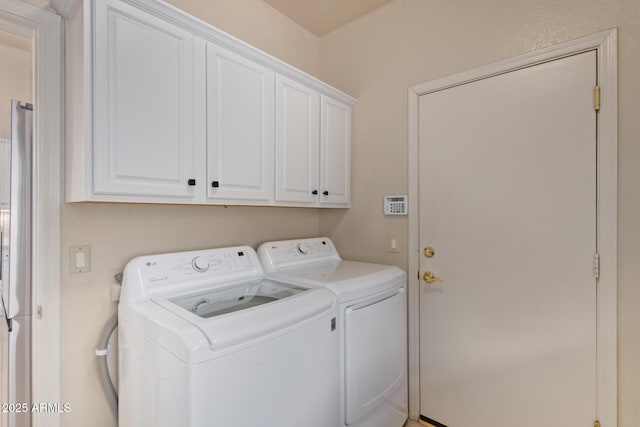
(410, 423)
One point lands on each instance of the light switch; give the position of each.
(79, 259)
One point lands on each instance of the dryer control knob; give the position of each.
(303, 248)
(200, 264)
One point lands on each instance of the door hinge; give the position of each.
(596, 266)
(596, 98)
(596, 423)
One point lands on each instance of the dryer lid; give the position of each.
(347, 279)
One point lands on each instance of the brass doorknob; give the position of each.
(430, 277)
(429, 252)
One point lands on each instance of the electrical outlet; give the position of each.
(393, 245)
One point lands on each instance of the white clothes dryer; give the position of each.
(372, 323)
(206, 340)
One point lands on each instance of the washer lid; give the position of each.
(238, 314)
(216, 302)
(347, 279)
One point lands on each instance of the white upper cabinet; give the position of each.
(335, 158)
(143, 106)
(164, 108)
(313, 145)
(297, 169)
(240, 118)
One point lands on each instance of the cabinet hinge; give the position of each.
(596, 423)
(596, 98)
(596, 266)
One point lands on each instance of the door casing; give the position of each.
(44, 28)
(605, 43)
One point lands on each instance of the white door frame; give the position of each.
(45, 29)
(605, 43)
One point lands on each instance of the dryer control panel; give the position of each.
(277, 256)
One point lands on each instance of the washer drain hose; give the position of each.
(103, 367)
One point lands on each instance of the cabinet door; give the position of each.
(143, 104)
(335, 149)
(297, 142)
(240, 119)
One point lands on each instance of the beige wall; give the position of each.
(260, 25)
(408, 42)
(16, 82)
(117, 233)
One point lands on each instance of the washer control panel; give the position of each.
(179, 270)
(303, 248)
(284, 254)
(200, 264)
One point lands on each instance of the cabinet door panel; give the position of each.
(240, 114)
(297, 142)
(335, 162)
(143, 135)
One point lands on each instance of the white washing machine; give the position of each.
(372, 323)
(206, 340)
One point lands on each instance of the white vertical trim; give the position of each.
(607, 300)
(605, 43)
(48, 105)
(45, 29)
(413, 251)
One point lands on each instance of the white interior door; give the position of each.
(508, 203)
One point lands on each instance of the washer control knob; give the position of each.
(303, 248)
(200, 264)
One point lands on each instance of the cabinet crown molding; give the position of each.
(215, 35)
(62, 7)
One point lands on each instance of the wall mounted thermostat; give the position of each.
(396, 205)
